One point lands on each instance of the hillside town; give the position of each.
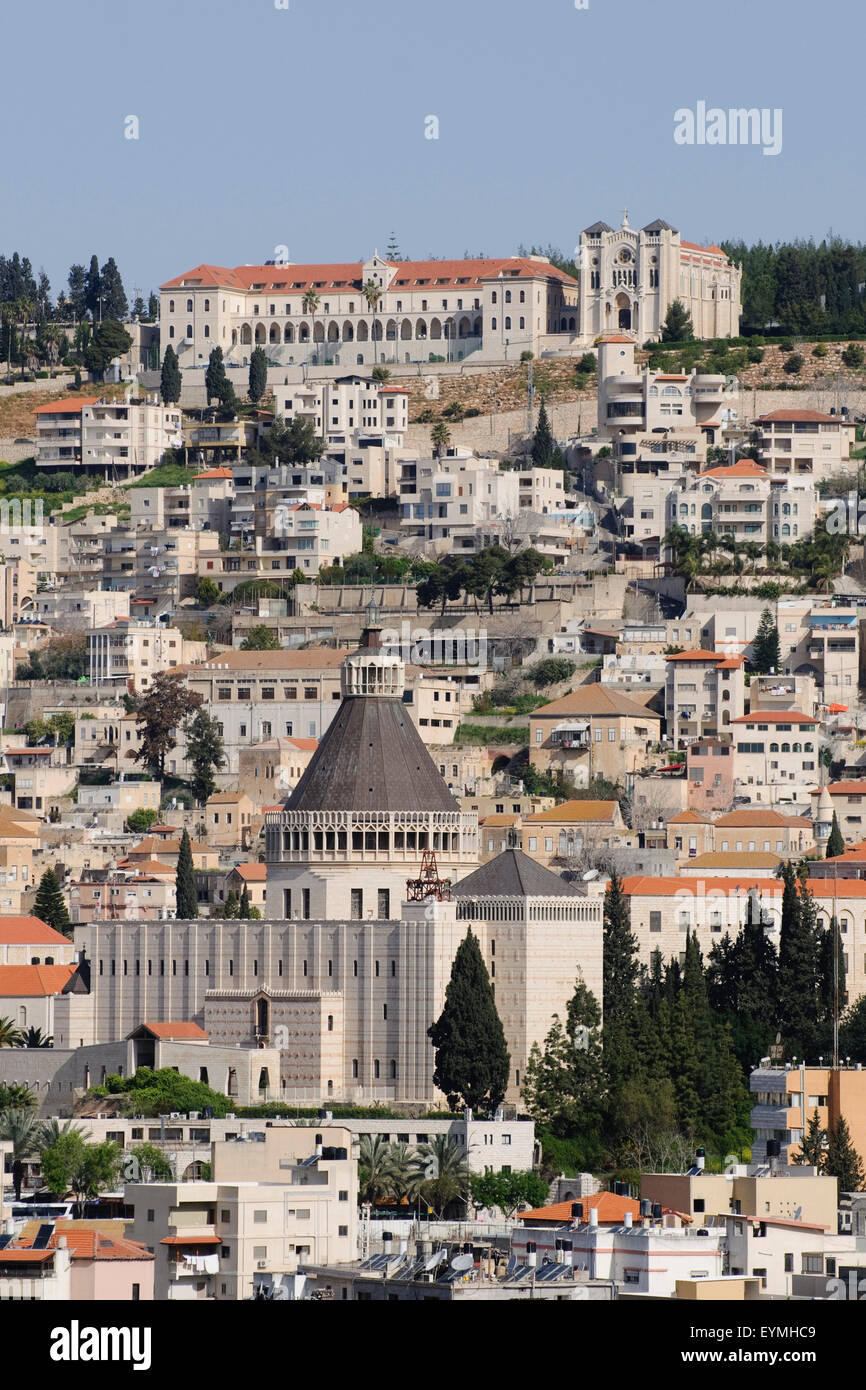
(433, 768)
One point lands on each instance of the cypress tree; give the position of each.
(258, 375)
(50, 905)
(170, 380)
(244, 904)
(187, 897)
(842, 1160)
(472, 1060)
(835, 844)
(215, 379)
(620, 978)
(831, 969)
(232, 906)
(798, 962)
(543, 444)
(766, 651)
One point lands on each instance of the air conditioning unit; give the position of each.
(261, 1264)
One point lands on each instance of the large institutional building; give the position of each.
(344, 977)
(361, 313)
(628, 280)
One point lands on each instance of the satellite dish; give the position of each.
(590, 875)
(462, 1263)
(435, 1259)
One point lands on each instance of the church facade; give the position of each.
(629, 278)
(346, 974)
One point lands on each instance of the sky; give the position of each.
(265, 124)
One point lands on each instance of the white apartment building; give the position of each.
(350, 406)
(305, 536)
(468, 500)
(776, 755)
(118, 438)
(628, 280)
(360, 313)
(134, 650)
(70, 608)
(744, 502)
(806, 443)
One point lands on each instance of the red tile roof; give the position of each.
(72, 405)
(853, 788)
(213, 473)
(30, 931)
(33, 981)
(616, 338)
(697, 655)
(610, 1206)
(815, 416)
(772, 716)
(743, 468)
(713, 250)
(348, 276)
(744, 819)
(169, 1032)
(253, 873)
(191, 1240)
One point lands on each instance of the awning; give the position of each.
(191, 1240)
(837, 709)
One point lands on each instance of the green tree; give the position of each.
(564, 1086)
(206, 753)
(147, 1163)
(405, 1173)
(508, 1191)
(92, 288)
(766, 651)
(440, 438)
(20, 1128)
(551, 670)
(232, 906)
(140, 821)
(215, 380)
(380, 374)
(261, 638)
(244, 904)
(187, 896)
(374, 1180)
(50, 904)
(171, 378)
(543, 443)
(835, 844)
(160, 713)
(812, 1147)
(448, 1179)
(34, 1037)
(258, 383)
(798, 961)
(842, 1160)
(108, 341)
(207, 594)
(678, 326)
(10, 1033)
(114, 301)
(472, 1061)
(15, 1095)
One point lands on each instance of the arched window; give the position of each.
(207, 330)
(523, 323)
(171, 330)
(171, 306)
(189, 306)
(795, 748)
(671, 391)
(207, 306)
(508, 323)
(189, 330)
(774, 747)
(786, 747)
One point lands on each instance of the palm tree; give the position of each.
(310, 303)
(374, 1181)
(372, 292)
(52, 1130)
(8, 316)
(440, 437)
(23, 312)
(448, 1179)
(406, 1172)
(34, 1037)
(10, 1035)
(20, 1128)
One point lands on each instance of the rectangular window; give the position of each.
(384, 904)
(357, 904)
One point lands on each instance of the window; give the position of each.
(260, 1216)
(357, 904)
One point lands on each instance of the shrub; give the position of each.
(551, 670)
(526, 356)
(820, 350)
(793, 363)
(141, 820)
(755, 354)
(853, 355)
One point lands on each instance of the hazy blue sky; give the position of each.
(305, 127)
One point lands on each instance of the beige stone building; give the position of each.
(133, 651)
(704, 694)
(629, 278)
(118, 439)
(229, 819)
(565, 831)
(806, 443)
(268, 771)
(593, 733)
(776, 755)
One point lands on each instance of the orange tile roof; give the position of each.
(171, 1031)
(745, 819)
(72, 405)
(689, 818)
(771, 716)
(16, 931)
(85, 1242)
(213, 473)
(16, 1255)
(712, 250)
(610, 1206)
(744, 468)
(253, 873)
(307, 745)
(642, 886)
(33, 981)
(576, 811)
(191, 1240)
(814, 416)
(295, 280)
(616, 338)
(698, 655)
(853, 788)
(729, 859)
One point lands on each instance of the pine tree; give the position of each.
(50, 905)
(798, 962)
(812, 1146)
(258, 375)
(564, 1080)
(472, 1061)
(678, 326)
(205, 751)
(835, 844)
(842, 1160)
(232, 906)
(187, 895)
(77, 282)
(215, 379)
(766, 650)
(171, 378)
(244, 904)
(543, 444)
(115, 304)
